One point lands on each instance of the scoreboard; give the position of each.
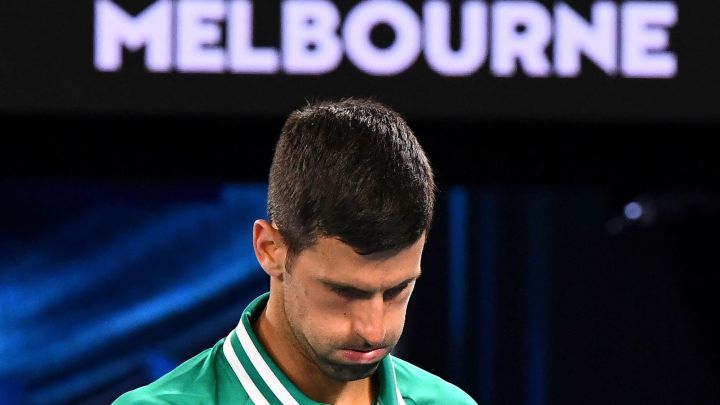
(434, 59)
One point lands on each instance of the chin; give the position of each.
(350, 372)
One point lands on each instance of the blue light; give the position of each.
(538, 284)
(633, 211)
(458, 204)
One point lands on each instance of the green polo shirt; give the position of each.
(238, 370)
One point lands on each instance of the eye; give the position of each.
(349, 293)
(394, 292)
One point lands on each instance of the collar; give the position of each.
(263, 380)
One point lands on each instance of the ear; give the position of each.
(269, 248)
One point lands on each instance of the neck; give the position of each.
(274, 333)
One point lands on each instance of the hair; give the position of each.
(352, 170)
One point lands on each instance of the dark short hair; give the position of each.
(353, 170)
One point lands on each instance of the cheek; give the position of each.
(333, 314)
(316, 313)
(396, 317)
(296, 304)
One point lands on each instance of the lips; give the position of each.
(363, 357)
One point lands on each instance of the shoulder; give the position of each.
(199, 380)
(422, 387)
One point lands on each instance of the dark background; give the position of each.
(537, 288)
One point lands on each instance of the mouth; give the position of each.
(363, 356)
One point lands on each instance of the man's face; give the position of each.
(347, 311)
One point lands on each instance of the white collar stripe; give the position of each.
(400, 399)
(262, 368)
(241, 374)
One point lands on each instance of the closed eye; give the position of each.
(394, 292)
(350, 293)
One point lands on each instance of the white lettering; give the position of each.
(244, 58)
(631, 39)
(473, 50)
(397, 57)
(198, 36)
(114, 28)
(574, 36)
(645, 38)
(522, 31)
(309, 41)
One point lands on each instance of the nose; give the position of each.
(369, 322)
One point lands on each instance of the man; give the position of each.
(350, 202)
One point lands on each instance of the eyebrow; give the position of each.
(351, 288)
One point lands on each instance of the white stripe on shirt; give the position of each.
(263, 369)
(241, 374)
(400, 399)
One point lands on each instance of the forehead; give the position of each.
(333, 260)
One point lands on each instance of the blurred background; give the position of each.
(573, 258)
